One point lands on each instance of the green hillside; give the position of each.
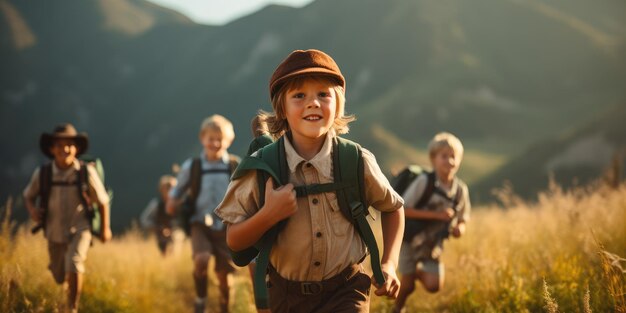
(139, 79)
(569, 158)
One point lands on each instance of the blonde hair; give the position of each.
(167, 180)
(277, 120)
(218, 123)
(445, 140)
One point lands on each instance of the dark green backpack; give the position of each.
(401, 182)
(94, 213)
(270, 163)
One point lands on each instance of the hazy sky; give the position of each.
(223, 11)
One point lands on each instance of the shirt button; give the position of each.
(317, 263)
(318, 234)
(315, 201)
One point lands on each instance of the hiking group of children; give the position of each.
(294, 208)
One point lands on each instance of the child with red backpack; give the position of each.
(307, 215)
(66, 189)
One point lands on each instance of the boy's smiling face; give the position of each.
(64, 152)
(311, 109)
(215, 143)
(446, 162)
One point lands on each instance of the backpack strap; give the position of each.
(82, 184)
(274, 156)
(348, 167)
(197, 172)
(305, 190)
(233, 162)
(457, 196)
(428, 191)
(45, 184)
(195, 180)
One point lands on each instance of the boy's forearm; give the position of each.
(244, 234)
(393, 229)
(29, 203)
(105, 216)
(418, 214)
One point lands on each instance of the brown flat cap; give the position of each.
(63, 131)
(305, 62)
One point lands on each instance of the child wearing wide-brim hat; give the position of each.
(62, 209)
(63, 131)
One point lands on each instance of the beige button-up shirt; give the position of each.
(318, 241)
(66, 214)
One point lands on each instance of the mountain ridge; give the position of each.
(412, 67)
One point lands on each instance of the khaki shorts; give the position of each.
(69, 257)
(204, 239)
(410, 264)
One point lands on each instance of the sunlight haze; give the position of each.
(222, 12)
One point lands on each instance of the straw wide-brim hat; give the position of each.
(63, 131)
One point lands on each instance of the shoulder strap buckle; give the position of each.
(356, 208)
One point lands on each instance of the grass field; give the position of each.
(564, 253)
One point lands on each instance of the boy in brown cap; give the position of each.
(63, 211)
(315, 258)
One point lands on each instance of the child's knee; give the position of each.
(201, 262)
(59, 276)
(432, 286)
(431, 282)
(225, 279)
(408, 283)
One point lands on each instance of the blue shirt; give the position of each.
(212, 189)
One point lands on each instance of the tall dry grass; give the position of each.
(563, 253)
(125, 275)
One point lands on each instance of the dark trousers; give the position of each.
(347, 291)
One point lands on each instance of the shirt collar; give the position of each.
(322, 161)
(225, 158)
(453, 189)
(56, 169)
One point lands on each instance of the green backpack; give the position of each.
(82, 184)
(348, 183)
